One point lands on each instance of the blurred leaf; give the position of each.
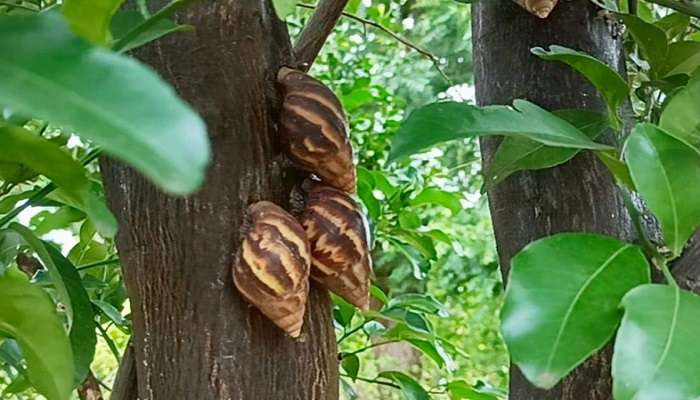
(343, 311)
(681, 118)
(283, 8)
(378, 294)
(39, 333)
(87, 252)
(461, 390)
(364, 192)
(422, 243)
(674, 24)
(656, 352)
(117, 103)
(419, 302)
(91, 202)
(651, 39)
(609, 83)
(348, 390)
(9, 243)
(562, 300)
(7, 203)
(124, 21)
(60, 219)
(516, 153)
(411, 389)
(351, 365)
(665, 171)
(112, 313)
(440, 122)
(436, 196)
(435, 351)
(683, 58)
(18, 385)
(91, 18)
(409, 219)
(68, 284)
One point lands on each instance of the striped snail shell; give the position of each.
(314, 130)
(272, 266)
(337, 231)
(540, 8)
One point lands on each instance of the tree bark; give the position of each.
(578, 196)
(194, 335)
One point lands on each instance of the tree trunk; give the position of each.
(578, 196)
(194, 335)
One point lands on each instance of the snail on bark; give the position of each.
(313, 127)
(272, 266)
(338, 235)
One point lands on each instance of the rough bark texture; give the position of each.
(194, 336)
(687, 268)
(578, 196)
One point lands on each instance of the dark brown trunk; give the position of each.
(194, 336)
(578, 196)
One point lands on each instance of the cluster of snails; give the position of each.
(328, 242)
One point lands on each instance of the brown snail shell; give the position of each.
(337, 232)
(539, 8)
(272, 266)
(314, 130)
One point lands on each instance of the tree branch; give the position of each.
(316, 31)
(390, 33)
(686, 269)
(126, 383)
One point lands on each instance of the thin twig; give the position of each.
(316, 31)
(368, 380)
(353, 330)
(371, 346)
(109, 261)
(430, 56)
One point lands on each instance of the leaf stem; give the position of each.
(368, 380)
(650, 248)
(113, 260)
(371, 346)
(165, 12)
(353, 330)
(110, 343)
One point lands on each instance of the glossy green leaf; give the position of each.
(91, 18)
(440, 122)
(124, 21)
(681, 117)
(666, 171)
(39, 333)
(112, 313)
(351, 365)
(379, 294)
(674, 24)
(517, 153)
(652, 41)
(656, 351)
(617, 168)
(112, 100)
(562, 300)
(284, 8)
(461, 390)
(683, 58)
(436, 196)
(410, 388)
(609, 83)
(68, 284)
(435, 351)
(418, 302)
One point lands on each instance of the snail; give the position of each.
(539, 8)
(271, 269)
(313, 128)
(338, 235)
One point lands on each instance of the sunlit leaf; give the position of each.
(562, 301)
(91, 18)
(461, 390)
(666, 171)
(681, 116)
(436, 196)
(284, 8)
(656, 352)
(409, 386)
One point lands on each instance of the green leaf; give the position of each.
(81, 317)
(378, 294)
(348, 390)
(617, 168)
(420, 242)
(124, 21)
(418, 302)
(440, 122)
(62, 218)
(9, 243)
(284, 8)
(674, 24)
(411, 389)
(343, 311)
(517, 153)
(91, 18)
(461, 390)
(351, 365)
(562, 300)
(681, 118)
(112, 313)
(18, 385)
(39, 333)
(666, 171)
(114, 101)
(436, 196)
(656, 352)
(609, 83)
(43, 156)
(683, 58)
(435, 351)
(652, 41)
